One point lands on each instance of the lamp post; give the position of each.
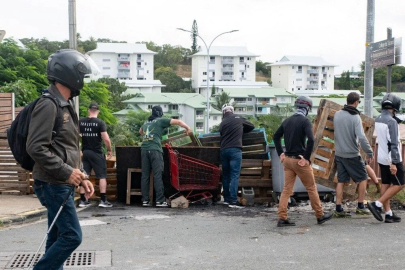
(208, 64)
(178, 104)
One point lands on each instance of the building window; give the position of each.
(164, 105)
(249, 58)
(106, 67)
(106, 60)
(249, 99)
(204, 73)
(150, 107)
(292, 89)
(175, 107)
(299, 67)
(250, 109)
(248, 66)
(215, 118)
(241, 59)
(146, 64)
(298, 89)
(292, 67)
(329, 75)
(147, 71)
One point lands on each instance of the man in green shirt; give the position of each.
(152, 154)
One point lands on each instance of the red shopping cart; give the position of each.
(192, 175)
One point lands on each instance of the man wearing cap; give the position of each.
(152, 154)
(93, 131)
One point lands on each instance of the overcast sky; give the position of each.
(332, 29)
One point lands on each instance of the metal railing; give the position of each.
(313, 71)
(313, 79)
(123, 58)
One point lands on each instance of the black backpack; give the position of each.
(17, 134)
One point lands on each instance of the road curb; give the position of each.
(24, 217)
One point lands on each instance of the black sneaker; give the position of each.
(236, 205)
(285, 223)
(325, 217)
(105, 204)
(84, 204)
(392, 219)
(375, 210)
(162, 204)
(146, 204)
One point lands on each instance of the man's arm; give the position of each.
(247, 126)
(141, 131)
(393, 130)
(358, 130)
(107, 143)
(277, 139)
(177, 122)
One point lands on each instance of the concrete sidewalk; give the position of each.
(17, 209)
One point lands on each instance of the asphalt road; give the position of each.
(217, 237)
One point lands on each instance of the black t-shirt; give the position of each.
(90, 129)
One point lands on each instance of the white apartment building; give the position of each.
(303, 75)
(129, 63)
(228, 66)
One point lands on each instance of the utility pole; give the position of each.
(73, 40)
(389, 68)
(368, 70)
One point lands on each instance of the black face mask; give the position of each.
(74, 93)
(399, 121)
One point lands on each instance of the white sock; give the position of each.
(378, 204)
(389, 213)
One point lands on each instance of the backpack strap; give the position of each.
(59, 116)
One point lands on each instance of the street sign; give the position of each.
(2, 34)
(386, 52)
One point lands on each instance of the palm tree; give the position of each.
(221, 99)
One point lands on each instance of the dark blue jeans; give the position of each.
(231, 159)
(66, 234)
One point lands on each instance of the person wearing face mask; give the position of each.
(389, 158)
(296, 130)
(57, 157)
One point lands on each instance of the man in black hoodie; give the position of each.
(152, 154)
(231, 129)
(296, 129)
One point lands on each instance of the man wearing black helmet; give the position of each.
(296, 129)
(231, 129)
(348, 131)
(389, 158)
(57, 157)
(152, 154)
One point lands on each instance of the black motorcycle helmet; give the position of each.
(391, 101)
(157, 111)
(303, 102)
(68, 67)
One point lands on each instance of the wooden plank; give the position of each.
(329, 124)
(251, 171)
(327, 144)
(323, 153)
(252, 163)
(321, 163)
(255, 147)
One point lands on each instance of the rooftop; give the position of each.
(121, 48)
(225, 51)
(265, 92)
(303, 61)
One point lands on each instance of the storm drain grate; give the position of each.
(77, 259)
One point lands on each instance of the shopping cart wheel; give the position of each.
(207, 201)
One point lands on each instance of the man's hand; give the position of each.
(88, 188)
(282, 157)
(303, 161)
(370, 160)
(76, 177)
(109, 154)
(393, 169)
(187, 131)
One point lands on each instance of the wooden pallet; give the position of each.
(323, 155)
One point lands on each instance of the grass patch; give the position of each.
(373, 195)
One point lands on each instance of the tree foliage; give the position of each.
(168, 55)
(24, 91)
(263, 68)
(194, 34)
(116, 90)
(220, 100)
(173, 82)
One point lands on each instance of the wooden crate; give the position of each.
(323, 155)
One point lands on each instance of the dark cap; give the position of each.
(93, 106)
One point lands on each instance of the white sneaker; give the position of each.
(83, 204)
(105, 204)
(162, 204)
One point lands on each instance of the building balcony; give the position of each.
(140, 77)
(313, 79)
(227, 78)
(313, 71)
(199, 128)
(242, 78)
(123, 67)
(242, 63)
(227, 69)
(227, 61)
(323, 79)
(139, 68)
(123, 58)
(312, 86)
(199, 117)
(139, 60)
(299, 71)
(211, 62)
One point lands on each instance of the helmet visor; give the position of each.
(91, 67)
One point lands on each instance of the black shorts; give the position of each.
(95, 161)
(387, 178)
(353, 168)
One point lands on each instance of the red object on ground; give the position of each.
(189, 174)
